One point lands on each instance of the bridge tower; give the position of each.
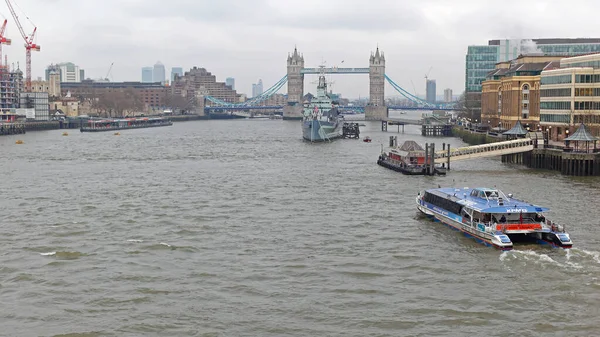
(376, 109)
(295, 82)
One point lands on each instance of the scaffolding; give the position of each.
(11, 83)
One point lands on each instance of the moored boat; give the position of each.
(99, 125)
(367, 139)
(408, 159)
(492, 217)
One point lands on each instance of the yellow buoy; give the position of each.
(19, 141)
(117, 134)
(65, 133)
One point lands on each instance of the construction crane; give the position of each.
(426, 75)
(108, 72)
(3, 39)
(29, 45)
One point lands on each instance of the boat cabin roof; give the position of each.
(487, 200)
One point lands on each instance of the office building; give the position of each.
(176, 71)
(230, 81)
(158, 73)
(448, 95)
(257, 88)
(570, 95)
(430, 92)
(69, 72)
(147, 74)
(481, 60)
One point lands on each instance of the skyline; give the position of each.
(248, 41)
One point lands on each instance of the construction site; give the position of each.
(12, 85)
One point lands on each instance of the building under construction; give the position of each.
(11, 84)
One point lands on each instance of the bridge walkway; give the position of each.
(485, 150)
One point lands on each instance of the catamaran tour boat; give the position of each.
(491, 217)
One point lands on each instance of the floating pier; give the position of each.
(12, 128)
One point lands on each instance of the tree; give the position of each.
(178, 102)
(119, 103)
(469, 106)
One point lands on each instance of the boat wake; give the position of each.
(568, 259)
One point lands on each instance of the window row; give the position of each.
(562, 118)
(587, 78)
(592, 64)
(587, 91)
(587, 105)
(558, 79)
(586, 119)
(563, 92)
(555, 105)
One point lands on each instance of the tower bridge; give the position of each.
(375, 109)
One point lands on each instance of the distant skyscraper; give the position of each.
(257, 89)
(176, 71)
(430, 91)
(158, 73)
(147, 74)
(230, 81)
(448, 95)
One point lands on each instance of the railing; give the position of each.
(469, 150)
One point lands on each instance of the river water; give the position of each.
(240, 228)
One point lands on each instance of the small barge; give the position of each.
(98, 125)
(492, 217)
(408, 159)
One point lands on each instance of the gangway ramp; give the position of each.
(485, 150)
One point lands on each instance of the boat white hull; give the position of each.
(500, 241)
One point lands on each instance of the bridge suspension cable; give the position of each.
(412, 97)
(254, 100)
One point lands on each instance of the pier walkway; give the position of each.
(485, 150)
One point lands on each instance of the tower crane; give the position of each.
(108, 72)
(29, 45)
(426, 75)
(3, 39)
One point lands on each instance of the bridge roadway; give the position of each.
(485, 150)
(234, 107)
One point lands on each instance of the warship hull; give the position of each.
(319, 131)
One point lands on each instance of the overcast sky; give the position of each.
(250, 39)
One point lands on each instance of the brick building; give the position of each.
(511, 92)
(153, 95)
(199, 80)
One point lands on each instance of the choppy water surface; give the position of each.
(239, 228)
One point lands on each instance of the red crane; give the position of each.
(3, 39)
(29, 45)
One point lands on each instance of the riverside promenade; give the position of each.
(574, 158)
